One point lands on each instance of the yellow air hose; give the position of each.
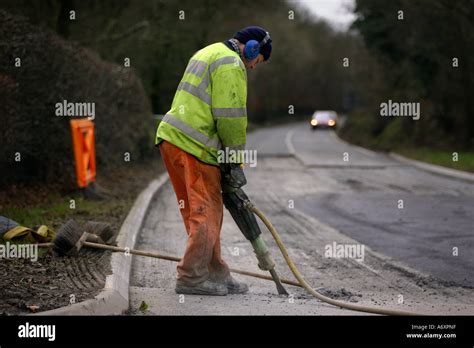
(249, 205)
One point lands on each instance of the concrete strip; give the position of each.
(432, 168)
(114, 298)
(361, 150)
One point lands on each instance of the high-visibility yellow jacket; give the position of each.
(209, 111)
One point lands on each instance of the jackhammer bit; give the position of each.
(234, 201)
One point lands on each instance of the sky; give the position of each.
(337, 12)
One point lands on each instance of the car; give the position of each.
(324, 118)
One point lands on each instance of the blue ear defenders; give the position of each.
(252, 47)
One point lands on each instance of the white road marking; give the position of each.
(288, 142)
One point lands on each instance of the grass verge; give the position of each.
(465, 160)
(122, 186)
(394, 138)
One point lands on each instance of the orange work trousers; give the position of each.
(198, 189)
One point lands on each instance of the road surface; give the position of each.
(412, 229)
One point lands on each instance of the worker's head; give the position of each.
(255, 44)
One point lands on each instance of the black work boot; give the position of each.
(236, 287)
(207, 287)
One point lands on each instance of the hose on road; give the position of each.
(249, 205)
(301, 281)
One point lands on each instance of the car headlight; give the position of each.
(331, 123)
(314, 122)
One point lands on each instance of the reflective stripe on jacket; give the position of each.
(209, 112)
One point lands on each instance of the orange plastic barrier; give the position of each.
(84, 150)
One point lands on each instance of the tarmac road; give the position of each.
(413, 230)
(437, 213)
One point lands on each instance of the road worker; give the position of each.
(209, 115)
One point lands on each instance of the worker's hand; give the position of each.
(233, 177)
